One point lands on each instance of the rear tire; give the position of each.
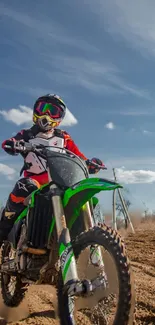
(10, 300)
(111, 241)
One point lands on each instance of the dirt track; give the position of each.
(141, 250)
(37, 308)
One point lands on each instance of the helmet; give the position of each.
(48, 111)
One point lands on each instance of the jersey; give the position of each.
(56, 137)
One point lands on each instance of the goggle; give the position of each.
(55, 112)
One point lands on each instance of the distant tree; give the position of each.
(119, 207)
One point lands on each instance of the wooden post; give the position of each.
(114, 210)
(123, 204)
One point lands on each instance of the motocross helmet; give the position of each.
(48, 111)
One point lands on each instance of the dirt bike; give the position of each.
(53, 230)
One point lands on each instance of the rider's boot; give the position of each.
(15, 205)
(7, 220)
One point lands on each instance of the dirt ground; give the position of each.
(141, 251)
(37, 308)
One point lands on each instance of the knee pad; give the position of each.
(24, 187)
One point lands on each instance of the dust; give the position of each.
(13, 314)
(40, 303)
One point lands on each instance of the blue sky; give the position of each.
(100, 57)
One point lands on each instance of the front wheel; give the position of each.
(107, 309)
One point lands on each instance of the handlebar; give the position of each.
(25, 147)
(22, 146)
(92, 163)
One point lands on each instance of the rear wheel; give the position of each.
(123, 310)
(11, 286)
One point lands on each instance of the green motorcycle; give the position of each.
(50, 237)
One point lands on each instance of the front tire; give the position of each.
(111, 241)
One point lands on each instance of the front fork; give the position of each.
(95, 251)
(66, 254)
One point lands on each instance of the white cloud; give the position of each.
(133, 20)
(137, 112)
(110, 126)
(7, 171)
(146, 132)
(141, 162)
(23, 115)
(135, 176)
(93, 75)
(69, 119)
(44, 28)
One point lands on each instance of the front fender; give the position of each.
(76, 196)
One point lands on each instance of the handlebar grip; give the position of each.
(103, 167)
(7, 147)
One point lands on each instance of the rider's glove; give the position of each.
(95, 169)
(11, 143)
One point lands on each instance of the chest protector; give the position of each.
(54, 140)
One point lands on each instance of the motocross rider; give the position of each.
(48, 113)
